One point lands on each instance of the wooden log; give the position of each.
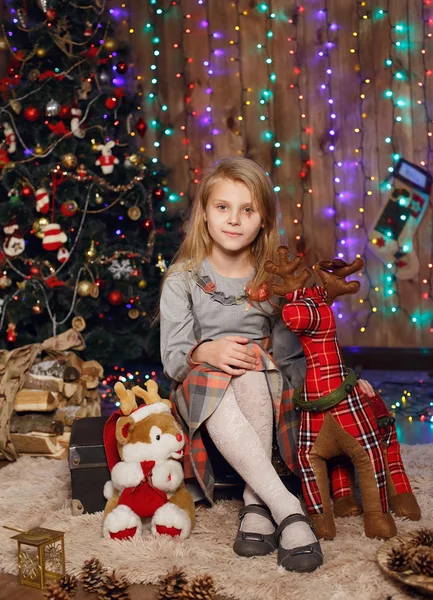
(69, 389)
(68, 414)
(35, 443)
(36, 422)
(93, 395)
(35, 400)
(79, 396)
(43, 382)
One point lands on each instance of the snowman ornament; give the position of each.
(10, 137)
(107, 161)
(14, 243)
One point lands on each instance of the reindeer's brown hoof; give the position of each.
(346, 506)
(324, 526)
(405, 505)
(379, 525)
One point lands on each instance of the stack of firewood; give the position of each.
(56, 392)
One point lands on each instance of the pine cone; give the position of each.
(172, 585)
(69, 583)
(111, 587)
(399, 558)
(92, 575)
(423, 537)
(422, 561)
(55, 592)
(201, 587)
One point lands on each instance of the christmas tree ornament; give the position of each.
(106, 160)
(14, 197)
(63, 254)
(98, 198)
(5, 161)
(94, 291)
(133, 313)
(76, 128)
(122, 67)
(38, 226)
(116, 298)
(121, 269)
(42, 200)
(31, 113)
(142, 284)
(59, 129)
(161, 263)
(16, 106)
(92, 575)
(141, 127)
(27, 191)
(41, 52)
(52, 108)
(5, 281)
(11, 333)
(65, 112)
(14, 243)
(392, 232)
(43, 5)
(111, 103)
(85, 89)
(104, 78)
(172, 585)
(10, 137)
(38, 149)
(84, 288)
(91, 252)
(34, 75)
(88, 30)
(110, 44)
(134, 213)
(79, 323)
(3, 44)
(68, 208)
(81, 170)
(51, 15)
(37, 308)
(53, 238)
(69, 161)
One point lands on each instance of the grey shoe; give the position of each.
(254, 544)
(302, 559)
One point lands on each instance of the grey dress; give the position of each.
(201, 305)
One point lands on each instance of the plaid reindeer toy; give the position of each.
(335, 417)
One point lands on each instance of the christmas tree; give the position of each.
(85, 239)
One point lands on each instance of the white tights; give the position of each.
(241, 429)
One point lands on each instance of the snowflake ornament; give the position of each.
(121, 269)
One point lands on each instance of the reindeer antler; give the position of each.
(285, 268)
(126, 397)
(333, 274)
(151, 395)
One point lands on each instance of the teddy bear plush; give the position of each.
(144, 445)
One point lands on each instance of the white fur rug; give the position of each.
(36, 492)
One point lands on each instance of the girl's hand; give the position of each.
(230, 354)
(366, 388)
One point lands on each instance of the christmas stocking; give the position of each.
(391, 235)
(42, 201)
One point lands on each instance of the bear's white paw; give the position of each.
(125, 475)
(120, 519)
(167, 476)
(171, 517)
(108, 490)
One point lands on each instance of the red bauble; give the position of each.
(51, 15)
(141, 127)
(65, 112)
(115, 298)
(27, 191)
(31, 113)
(122, 67)
(69, 208)
(111, 103)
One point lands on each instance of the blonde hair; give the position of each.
(197, 244)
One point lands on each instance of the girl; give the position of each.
(217, 321)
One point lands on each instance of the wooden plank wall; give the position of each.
(313, 75)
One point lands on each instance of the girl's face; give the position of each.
(232, 217)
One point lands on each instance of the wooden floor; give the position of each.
(10, 589)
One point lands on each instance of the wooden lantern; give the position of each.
(41, 556)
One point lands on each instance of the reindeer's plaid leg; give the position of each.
(340, 475)
(307, 437)
(395, 463)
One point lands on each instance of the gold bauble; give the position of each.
(95, 147)
(142, 284)
(134, 213)
(34, 74)
(110, 44)
(98, 198)
(16, 106)
(94, 292)
(79, 323)
(37, 309)
(91, 252)
(41, 52)
(133, 313)
(133, 159)
(38, 225)
(38, 149)
(69, 161)
(84, 288)
(3, 44)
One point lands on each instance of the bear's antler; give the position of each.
(285, 268)
(333, 274)
(126, 397)
(151, 395)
